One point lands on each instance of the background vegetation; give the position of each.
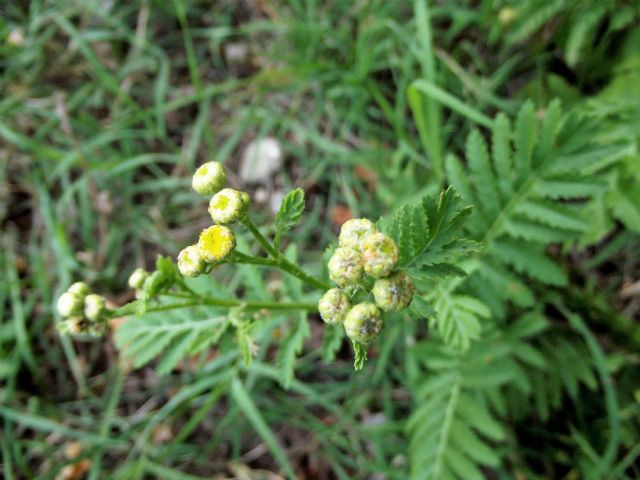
(108, 107)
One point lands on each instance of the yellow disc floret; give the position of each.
(216, 243)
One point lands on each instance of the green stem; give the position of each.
(296, 271)
(279, 260)
(261, 239)
(239, 257)
(132, 307)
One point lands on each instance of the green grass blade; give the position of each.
(244, 402)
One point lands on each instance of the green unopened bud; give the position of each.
(190, 262)
(507, 15)
(333, 306)
(354, 231)
(70, 304)
(227, 206)
(137, 278)
(209, 178)
(345, 266)
(81, 326)
(79, 288)
(394, 292)
(72, 326)
(380, 255)
(363, 323)
(216, 243)
(94, 307)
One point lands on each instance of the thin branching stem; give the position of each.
(277, 259)
(131, 308)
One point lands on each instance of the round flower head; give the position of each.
(393, 293)
(70, 304)
(190, 262)
(333, 306)
(137, 278)
(94, 307)
(79, 288)
(380, 255)
(227, 206)
(345, 266)
(216, 243)
(363, 323)
(354, 231)
(209, 178)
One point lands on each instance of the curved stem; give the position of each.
(296, 271)
(278, 260)
(261, 239)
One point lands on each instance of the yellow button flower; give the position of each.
(216, 243)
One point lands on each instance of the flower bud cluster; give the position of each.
(226, 206)
(364, 253)
(84, 312)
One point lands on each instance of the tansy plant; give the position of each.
(482, 282)
(373, 276)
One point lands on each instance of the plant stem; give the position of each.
(218, 302)
(261, 239)
(239, 257)
(278, 260)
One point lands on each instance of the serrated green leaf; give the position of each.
(331, 342)
(291, 346)
(158, 335)
(482, 174)
(177, 350)
(529, 260)
(289, 214)
(554, 215)
(360, 352)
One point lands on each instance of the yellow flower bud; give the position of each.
(137, 278)
(94, 307)
(353, 232)
(333, 306)
(345, 266)
(228, 205)
(216, 243)
(380, 255)
(69, 304)
(363, 323)
(190, 262)
(507, 15)
(394, 292)
(209, 178)
(79, 288)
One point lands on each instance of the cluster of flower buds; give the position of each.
(225, 207)
(83, 311)
(364, 252)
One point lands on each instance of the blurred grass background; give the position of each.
(107, 107)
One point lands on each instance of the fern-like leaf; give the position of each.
(455, 424)
(527, 193)
(167, 335)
